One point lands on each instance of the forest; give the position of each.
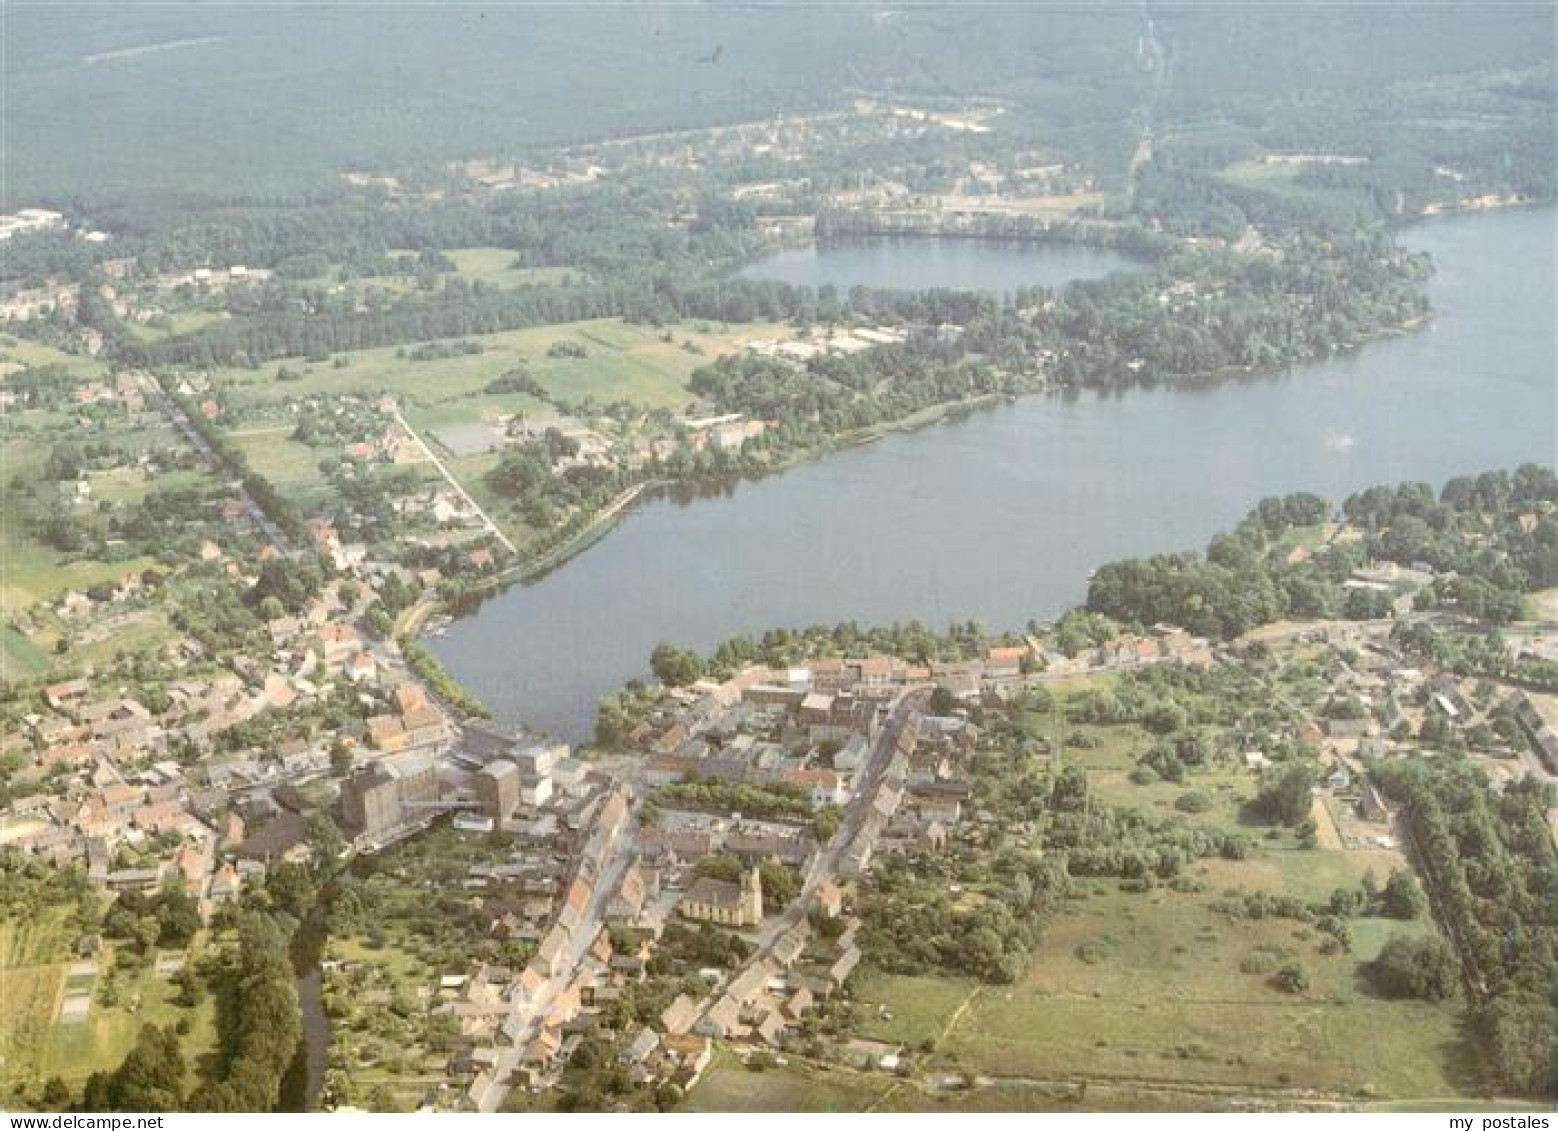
(1248, 577)
(1493, 880)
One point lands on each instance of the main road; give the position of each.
(579, 944)
(432, 457)
(176, 415)
(825, 864)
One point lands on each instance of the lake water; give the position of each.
(1001, 516)
(910, 263)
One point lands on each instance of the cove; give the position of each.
(1000, 517)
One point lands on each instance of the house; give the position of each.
(544, 1050)
(552, 953)
(770, 1026)
(1004, 663)
(575, 903)
(1371, 805)
(337, 642)
(523, 989)
(627, 902)
(387, 733)
(478, 1094)
(60, 696)
(791, 944)
(825, 787)
(641, 1047)
(722, 1020)
(284, 837)
(691, 1054)
(798, 1004)
(843, 966)
(679, 1016)
(939, 801)
(830, 898)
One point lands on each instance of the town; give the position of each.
(720, 558)
(754, 810)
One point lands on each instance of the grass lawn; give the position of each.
(1155, 988)
(33, 961)
(284, 461)
(1542, 605)
(622, 362)
(1284, 180)
(1110, 762)
(402, 966)
(30, 571)
(75, 1051)
(921, 1007)
(494, 265)
(28, 354)
(184, 322)
(20, 658)
(728, 1085)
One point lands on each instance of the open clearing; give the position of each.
(1167, 998)
(620, 362)
(35, 978)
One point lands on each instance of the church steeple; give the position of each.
(752, 895)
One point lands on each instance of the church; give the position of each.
(720, 901)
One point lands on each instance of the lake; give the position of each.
(909, 263)
(1001, 516)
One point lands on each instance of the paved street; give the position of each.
(825, 864)
(616, 863)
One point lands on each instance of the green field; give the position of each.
(1166, 997)
(495, 265)
(183, 322)
(34, 572)
(19, 353)
(1109, 763)
(1144, 1001)
(35, 959)
(1286, 180)
(909, 1010)
(31, 571)
(623, 362)
(272, 452)
(728, 1085)
(20, 658)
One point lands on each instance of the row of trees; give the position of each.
(1495, 533)
(1492, 874)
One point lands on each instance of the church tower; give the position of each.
(752, 897)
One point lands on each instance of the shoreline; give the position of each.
(604, 521)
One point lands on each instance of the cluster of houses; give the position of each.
(104, 776)
(727, 433)
(1165, 643)
(29, 303)
(595, 893)
(523, 1024)
(834, 340)
(26, 220)
(1381, 700)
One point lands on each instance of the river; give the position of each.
(1000, 516)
